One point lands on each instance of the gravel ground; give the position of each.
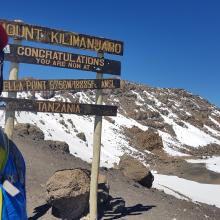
(141, 203)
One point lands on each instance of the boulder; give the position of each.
(69, 190)
(68, 193)
(135, 170)
(147, 181)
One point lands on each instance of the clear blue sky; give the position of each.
(168, 43)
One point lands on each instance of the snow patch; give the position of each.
(188, 190)
(212, 163)
(190, 135)
(214, 121)
(214, 132)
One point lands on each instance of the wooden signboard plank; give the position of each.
(13, 104)
(62, 38)
(40, 56)
(59, 84)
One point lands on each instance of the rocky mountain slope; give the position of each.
(158, 126)
(184, 122)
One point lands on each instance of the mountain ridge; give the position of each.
(184, 121)
(172, 131)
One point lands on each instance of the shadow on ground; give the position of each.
(116, 209)
(40, 211)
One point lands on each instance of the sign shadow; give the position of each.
(40, 211)
(116, 209)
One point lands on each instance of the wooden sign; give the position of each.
(40, 56)
(13, 104)
(56, 85)
(63, 38)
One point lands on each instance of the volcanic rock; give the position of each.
(145, 140)
(69, 190)
(135, 170)
(28, 129)
(58, 145)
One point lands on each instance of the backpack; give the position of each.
(1, 70)
(12, 207)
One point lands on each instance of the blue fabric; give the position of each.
(1, 70)
(14, 208)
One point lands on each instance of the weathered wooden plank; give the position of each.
(40, 56)
(59, 84)
(14, 104)
(63, 38)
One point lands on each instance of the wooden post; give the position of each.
(96, 154)
(13, 75)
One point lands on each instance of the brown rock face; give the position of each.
(36, 134)
(58, 145)
(145, 140)
(81, 136)
(68, 192)
(208, 150)
(135, 170)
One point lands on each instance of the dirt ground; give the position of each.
(141, 203)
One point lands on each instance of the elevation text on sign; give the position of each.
(56, 85)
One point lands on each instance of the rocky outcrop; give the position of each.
(58, 145)
(81, 136)
(37, 134)
(144, 140)
(149, 105)
(148, 114)
(135, 170)
(208, 150)
(28, 129)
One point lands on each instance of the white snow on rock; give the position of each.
(171, 145)
(65, 127)
(193, 136)
(214, 132)
(173, 151)
(190, 135)
(212, 163)
(216, 112)
(188, 190)
(214, 121)
(112, 142)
